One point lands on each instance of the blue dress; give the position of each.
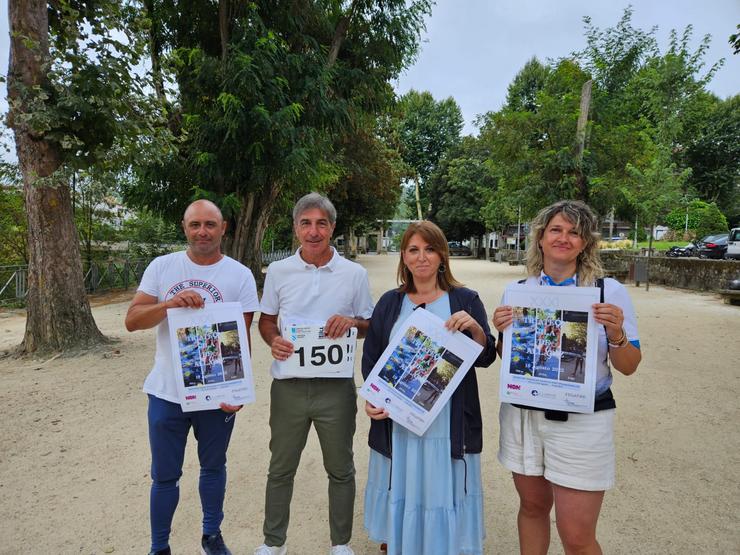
(424, 502)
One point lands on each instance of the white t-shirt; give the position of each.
(225, 281)
(297, 289)
(616, 294)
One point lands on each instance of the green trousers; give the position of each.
(331, 405)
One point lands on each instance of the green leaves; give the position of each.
(700, 218)
(647, 138)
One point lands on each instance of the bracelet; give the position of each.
(621, 342)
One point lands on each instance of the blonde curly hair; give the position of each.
(588, 264)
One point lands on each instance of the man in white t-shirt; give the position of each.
(188, 279)
(316, 284)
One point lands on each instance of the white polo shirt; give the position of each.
(296, 289)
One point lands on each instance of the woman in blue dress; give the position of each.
(424, 494)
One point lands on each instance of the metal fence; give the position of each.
(274, 256)
(99, 276)
(13, 284)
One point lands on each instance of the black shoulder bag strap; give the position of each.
(605, 400)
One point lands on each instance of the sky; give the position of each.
(472, 49)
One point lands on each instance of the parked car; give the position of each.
(458, 249)
(713, 246)
(733, 243)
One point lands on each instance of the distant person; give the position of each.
(188, 279)
(579, 365)
(560, 458)
(315, 284)
(424, 494)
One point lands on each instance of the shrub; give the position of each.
(623, 244)
(704, 219)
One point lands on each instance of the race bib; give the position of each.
(317, 356)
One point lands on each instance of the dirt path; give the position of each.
(74, 456)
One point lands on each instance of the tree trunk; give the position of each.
(351, 242)
(581, 180)
(155, 50)
(339, 35)
(224, 26)
(251, 223)
(649, 256)
(418, 197)
(59, 316)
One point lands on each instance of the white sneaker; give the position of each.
(267, 550)
(341, 550)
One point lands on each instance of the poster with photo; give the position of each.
(549, 351)
(210, 356)
(419, 370)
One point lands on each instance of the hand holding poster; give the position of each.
(419, 370)
(549, 351)
(315, 355)
(211, 356)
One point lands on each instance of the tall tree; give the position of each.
(461, 179)
(70, 89)
(262, 91)
(644, 104)
(59, 315)
(534, 152)
(657, 188)
(712, 150)
(425, 129)
(522, 92)
(370, 184)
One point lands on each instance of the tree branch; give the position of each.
(340, 33)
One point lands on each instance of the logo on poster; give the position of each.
(190, 397)
(534, 393)
(513, 386)
(547, 302)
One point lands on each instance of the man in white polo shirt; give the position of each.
(316, 284)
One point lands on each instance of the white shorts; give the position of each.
(577, 454)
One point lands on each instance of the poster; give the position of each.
(211, 356)
(549, 351)
(419, 370)
(315, 355)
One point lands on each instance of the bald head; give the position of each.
(202, 206)
(204, 226)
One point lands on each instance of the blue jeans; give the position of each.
(168, 433)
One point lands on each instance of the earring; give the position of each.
(441, 269)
